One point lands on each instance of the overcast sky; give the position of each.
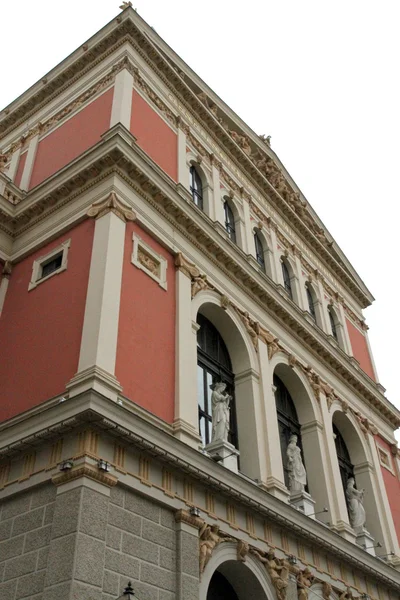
(321, 77)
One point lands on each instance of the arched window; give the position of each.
(345, 465)
(230, 222)
(310, 300)
(196, 187)
(332, 321)
(288, 421)
(213, 364)
(286, 279)
(259, 250)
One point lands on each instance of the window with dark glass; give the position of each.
(196, 187)
(286, 280)
(213, 364)
(259, 250)
(346, 467)
(51, 266)
(288, 422)
(311, 306)
(333, 324)
(230, 222)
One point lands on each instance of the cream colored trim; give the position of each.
(100, 325)
(3, 292)
(30, 159)
(183, 173)
(39, 263)
(122, 99)
(149, 261)
(13, 166)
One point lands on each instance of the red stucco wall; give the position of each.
(72, 138)
(360, 349)
(40, 330)
(392, 485)
(20, 168)
(154, 136)
(146, 338)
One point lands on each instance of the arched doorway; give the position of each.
(220, 588)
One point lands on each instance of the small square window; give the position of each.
(51, 264)
(385, 459)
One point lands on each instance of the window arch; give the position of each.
(287, 283)
(288, 422)
(213, 364)
(196, 187)
(259, 247)
(230, 225)
(334, 323)
(311, 301)
(346, 467)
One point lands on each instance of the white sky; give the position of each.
(321, 77)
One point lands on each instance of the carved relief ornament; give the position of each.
(7, 269)
(114, 205)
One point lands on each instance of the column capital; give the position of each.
(111, 204)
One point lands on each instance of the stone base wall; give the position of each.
(25, 532)
(84, 541)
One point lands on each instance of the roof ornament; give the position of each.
(265, 138)
(125, 5)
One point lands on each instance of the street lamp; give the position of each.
(128, 594)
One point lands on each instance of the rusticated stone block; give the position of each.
(30, 585)
(28, 521)
(89, 562)
(94, 513)
(125, 520)
(140, 548)
(45, 494)
(119, 563)
(159, 577)
(12, 547)
(66, 514)
(111, 583)
(113, 537)
(61, 560)
(15, 506)
(21, 565)
(143, 507)
(38, 538)
(158, 534)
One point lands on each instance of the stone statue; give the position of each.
(304, 582)
(355, 499)
(220, 401)
(326, 590)
(278, 571)
(242, 550)
(297, 472)
(347, 594)
(209, 539)
(199, 283)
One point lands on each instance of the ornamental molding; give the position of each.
(7, 270)
(85, 470)
(168, 202)
(114, 205)
(247, 154)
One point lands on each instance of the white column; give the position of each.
(346, 338)
(218, 201)
(183, 169)
(30, 159)
(248, 246)
(275, 481)
(5, 276)
(303, 302)
(186, 419)
(122, 99)
(325, 324)
(12, 169)
(98, 351)
(277, 267)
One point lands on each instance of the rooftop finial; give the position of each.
(125, 5)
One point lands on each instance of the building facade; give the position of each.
(188, 397)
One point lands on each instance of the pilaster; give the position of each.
(5, 276)
(12, 169)
(96, 368)
(122, 99)
(187, 556)
(219, 215)
(183, 170)
(276, 262)
(30, 159)
(186, 410)
(249, 246)
(346, 338)
(275, 481)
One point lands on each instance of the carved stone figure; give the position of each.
(242, 141)
(242, 550)
(297, 472)
(326, 590)
(278, 571)
(304, 582)
(347, 594)
(199, 282)
(355, 499)
(251, 328)
(209, 539)
(220, 402)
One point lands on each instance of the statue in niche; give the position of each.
(209, 539)
(220, 404)
(278, 570)
(355, 499)
(297, 472)
(304, 581)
